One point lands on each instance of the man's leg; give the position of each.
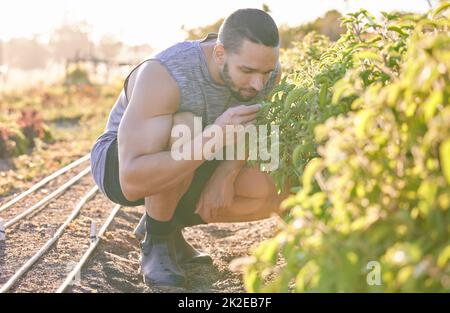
(255, 198)
(162, 206)
(164, 243)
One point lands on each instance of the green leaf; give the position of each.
(444, 257)
(252, 281)
(389, 16)
(444, 153)
(367, 55)
(397, 30)
(340, 90)
(361, 121)
(323, 94)
(375, 39)
(311, 169)
(270, 252)
(278, 88)
(440, 9)
(431, 104)
(293, 96)
(347, 20)
(296, 154)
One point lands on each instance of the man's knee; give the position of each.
(253, 183)
(173, 194)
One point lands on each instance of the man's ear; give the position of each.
(219, 53)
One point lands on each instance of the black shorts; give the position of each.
(187, 203)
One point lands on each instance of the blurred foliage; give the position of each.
(365, 143)
(328, 25)
(68, 41)
(26, 54)
(17, 138)
(201, 32)
(77, 76)
(63, 127)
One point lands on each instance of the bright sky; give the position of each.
(158, 23)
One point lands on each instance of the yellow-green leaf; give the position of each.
(444, 153)
(441, 8)
(296, 154)
(311, 169)
(431, 104)
(367, 55)
(397, 30)
(293, 96)
(444, 257)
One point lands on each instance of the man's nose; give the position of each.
(257, 82)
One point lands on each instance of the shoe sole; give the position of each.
(160, 285)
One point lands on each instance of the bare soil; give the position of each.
(114, 266)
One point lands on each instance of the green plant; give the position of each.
(371, 117)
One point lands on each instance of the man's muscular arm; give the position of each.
(146, 166)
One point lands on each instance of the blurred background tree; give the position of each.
(71, 40)
(20, 51)
(328, 25)
(200, 32)
(109, 47)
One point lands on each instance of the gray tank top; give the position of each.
(199, 94)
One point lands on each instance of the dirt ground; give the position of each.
(114, 266)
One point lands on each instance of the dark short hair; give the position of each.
(254, 25)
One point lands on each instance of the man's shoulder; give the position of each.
(153, 82)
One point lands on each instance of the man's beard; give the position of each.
(225, 75)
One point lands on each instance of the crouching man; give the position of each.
(221, 79)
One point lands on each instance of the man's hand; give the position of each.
(239, 115)
(242, 115)
(219, 191)
(217, 194)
